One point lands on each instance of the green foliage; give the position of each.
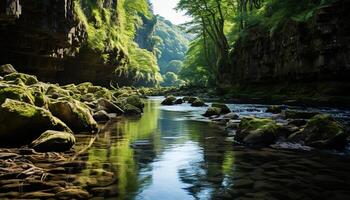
(171, 79)
(171, 43)
(111, 33)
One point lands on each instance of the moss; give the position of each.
(135, 101)
(224, 108)
(21, 123)
(15, 93)
(212, 111)
(56, 91)
(27, 79)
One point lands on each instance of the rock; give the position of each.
(275, 109)
(21, 123)
(16, 93)
(232, 115)
(256, 131)
(100, 92)
(131, 110)
(88, 97)
(184, 99)
(212, 111)
(1, 78)
(198, 103)
(37, 92)
(26, 78)
(297, 122)
(108, 106)
(56, 141)
(73, 194)
(55, 92)
(5, 156)
(135, 101)
(322, 131)
(169, 101)
(101, 116)
(224, 108)
(294, 114)
(75, 114)
(37, 195)
(233, 124)
(179, 101)
(192, 99)
(7, 69)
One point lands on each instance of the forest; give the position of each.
(175, 99)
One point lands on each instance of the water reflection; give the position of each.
(172, 153)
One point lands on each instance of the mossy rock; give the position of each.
(21, 123)
(16, 93)
(224, 108)
(212, 111)
(89, 97)
(101, 116)
(179, 101)
(56, 92)
(109, 107)
(255, 131)
(322, 131)
(295, 114)
(7, 69)
(192, 99)
(198, 103)
(56, 141)
(169, 100)
(75, 114)
(186, 98)
(71, 87)
(131, 110)
(26, 78)
(135, 101)
(40, 98)
(83, 87)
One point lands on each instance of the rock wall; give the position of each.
(47, 39)
(317, 50)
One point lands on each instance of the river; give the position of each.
(173, 153)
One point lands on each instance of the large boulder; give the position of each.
(109, 107)
(54, 91)
(179, 101)
(21, 123)
(74, 113)
(296, 114)
(255, 131)
(169, 100)
(56, 141)
(192, 99)
(26, 78)
(101, 116)
(7, 69)
(322, 131)
(224, 108)
(20, 93)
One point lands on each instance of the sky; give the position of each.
(165, 8)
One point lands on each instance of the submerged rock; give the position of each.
(75, 114)
(21, 123)
(224, 108)
(56, 141)
(26, 78)
(169, 100)
(294, 114)
(7, 69)
(256, 131)
(322, 131)
(101, 116)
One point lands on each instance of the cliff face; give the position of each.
(67, 41)
(317, 50)
(36, 36)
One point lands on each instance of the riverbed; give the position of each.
(174, 153)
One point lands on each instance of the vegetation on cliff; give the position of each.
(218, 24)
(111, 32)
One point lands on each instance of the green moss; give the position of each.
(16, 93)
(27, 79)
(251, 124)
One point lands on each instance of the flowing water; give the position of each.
(171, 152)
